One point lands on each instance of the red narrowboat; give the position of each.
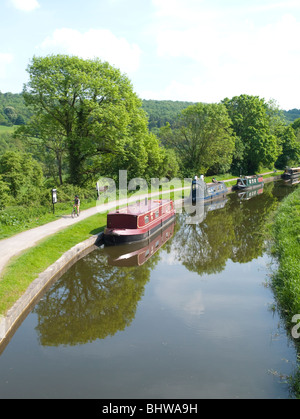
(138, 222)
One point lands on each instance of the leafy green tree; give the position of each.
(23, 176)
(255, 140)
(202, 138)
(296, 124)
(11, 114)
(296, 128)
(290, 153)
(94, 106)
(46, 141)
(4, 193)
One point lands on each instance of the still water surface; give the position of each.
(194, 320)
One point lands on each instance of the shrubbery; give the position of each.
(25, 195)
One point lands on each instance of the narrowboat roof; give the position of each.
(142, 207)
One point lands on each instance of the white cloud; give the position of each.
(228, 51)
(5, 60)
(100, 43)
(25, 5)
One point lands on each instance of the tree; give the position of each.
(11, 114)
(23, 176)
(4, 193)
(290, 149)
(92, 104)
(44, 137)
(251, 124)
(202, 138)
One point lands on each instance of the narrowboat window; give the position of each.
(157, 243)
(147, 253)
(156, 214)
(146, 219)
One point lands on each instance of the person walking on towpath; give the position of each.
(77, 204)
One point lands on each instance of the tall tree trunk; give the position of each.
(74, 162)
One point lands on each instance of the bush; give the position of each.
(17, 215)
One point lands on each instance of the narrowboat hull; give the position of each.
(137, 223)
(113, 237)
(206, 192)
(249, 182)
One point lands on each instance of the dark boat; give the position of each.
(291, 173)
(249, 182)
(138, 222)
(136, 254)
(202, 191)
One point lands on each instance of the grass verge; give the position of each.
(24, 268)
(286, 249)
(285, 233)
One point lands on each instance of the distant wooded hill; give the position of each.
(162, 111)
(14, 112)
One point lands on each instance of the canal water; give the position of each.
(190, 316)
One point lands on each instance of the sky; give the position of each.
(186, 50)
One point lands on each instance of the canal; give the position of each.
(191, 316)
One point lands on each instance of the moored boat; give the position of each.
(138, 222)
(290, 173)
(249, 182)
(202, 191)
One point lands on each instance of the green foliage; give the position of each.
(23, 176)
(256, 143)
(4, 193)
(202, 139)
(286, 248)
(161, 112)
(290, 149)
(291, 115)
(13, 110)
(89, 107)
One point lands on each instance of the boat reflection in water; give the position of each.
(292, 181)
(245, 195)
(136, 254)
(198, 212)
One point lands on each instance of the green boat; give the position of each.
(249, 182)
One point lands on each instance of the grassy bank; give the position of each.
(286, 248)
(285, 232)
(22, 270)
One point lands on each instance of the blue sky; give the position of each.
(193, 50)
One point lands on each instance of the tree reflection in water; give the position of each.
(91, 301)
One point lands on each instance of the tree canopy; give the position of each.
(91, 106)
(256, 144)
(202, 138)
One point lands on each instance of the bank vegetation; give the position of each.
(285, 238)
